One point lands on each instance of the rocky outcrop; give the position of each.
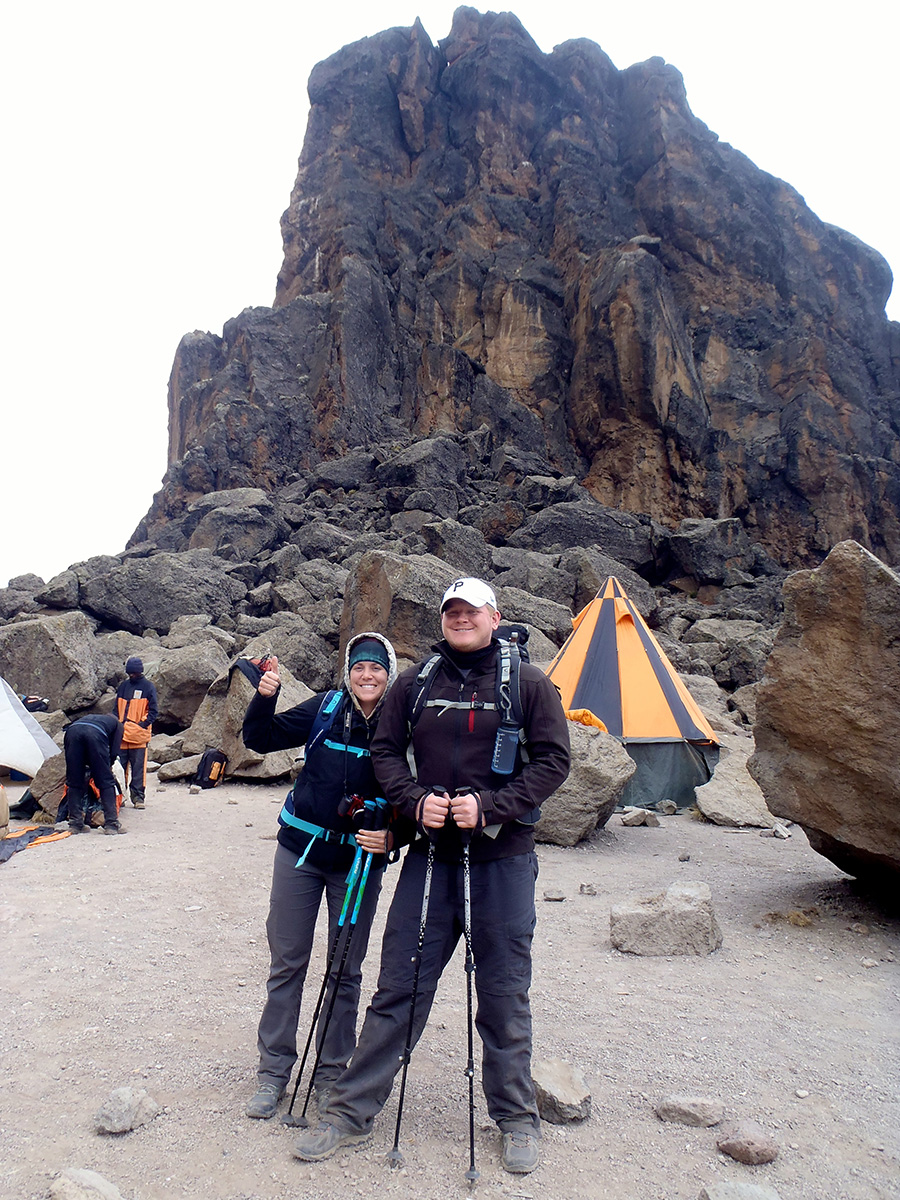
(484, 237)
(828, 721)
(600, 770)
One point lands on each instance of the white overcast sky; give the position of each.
(149, 151)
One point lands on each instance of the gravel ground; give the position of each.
(141, 961)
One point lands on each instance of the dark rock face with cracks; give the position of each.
(482, 234)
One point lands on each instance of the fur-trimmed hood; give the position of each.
(392, 661)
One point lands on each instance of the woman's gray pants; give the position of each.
(293, 908)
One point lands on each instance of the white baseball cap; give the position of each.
(474, 591)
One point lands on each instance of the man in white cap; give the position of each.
(456, 795)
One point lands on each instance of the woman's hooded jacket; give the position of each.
(337, 765)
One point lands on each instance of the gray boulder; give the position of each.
(53, 656)
(240, 529)
(151, 593)
(733, 797)
(554, 620)
(182, 678)
(623, 536)
(707, 549)
(18, 596)
(399, 597)
(600, 770)
(219, 721)
(592, 568)
(828, 720)
(425, 465)
(678, 921)
(460, 545)
(196, 628)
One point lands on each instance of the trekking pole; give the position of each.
(395, 1155)
(472, 1174)
(352, 879)
(302, 1120)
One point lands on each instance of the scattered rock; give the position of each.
(639, 816)
(690, 1110)
(678, 921)
(737, 1191)
(77, 1184)
(562, 1093)
(126, 1109)
(747, 1142)
(587, 889)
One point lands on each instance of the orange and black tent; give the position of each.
(611, 672)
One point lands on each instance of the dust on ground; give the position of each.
(142, 961)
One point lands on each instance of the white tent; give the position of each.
(24, 745)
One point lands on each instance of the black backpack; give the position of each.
(211, 768)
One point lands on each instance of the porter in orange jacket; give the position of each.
(137, 708)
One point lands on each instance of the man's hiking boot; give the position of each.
(521, 1152)
(109, 829)
(315, 1144)
(82, 828)
(138, 804)
(263, 1105)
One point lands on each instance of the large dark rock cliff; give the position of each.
(482, 234)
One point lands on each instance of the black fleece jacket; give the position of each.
(320, 786)
(453, 749)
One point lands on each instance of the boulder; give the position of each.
(240, 529)
(828, 720)
(183, 677)
(18, 596)
(678, 921)
(623, 536)
(554, 620)
(151, 593)
(600, 770)
(427, 464)
(733, 797)
(399, 597)
(460, 545)
(53, 656)
(707, 549)
(199, 627)
(592, 569)
(219, 721)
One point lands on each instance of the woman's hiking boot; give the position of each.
(262, 1106)
(521, 1152)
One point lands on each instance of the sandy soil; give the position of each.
(142, 960)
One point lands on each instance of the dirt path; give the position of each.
(142, 961)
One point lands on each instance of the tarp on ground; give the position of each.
(612, 673)
(24, 745)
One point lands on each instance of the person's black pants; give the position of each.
(87, 752)
(503, 921)
(134, 764)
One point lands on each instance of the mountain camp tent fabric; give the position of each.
(24, 746)
(612, 673)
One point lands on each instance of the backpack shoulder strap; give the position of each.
(324, 719)
(418, 694)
